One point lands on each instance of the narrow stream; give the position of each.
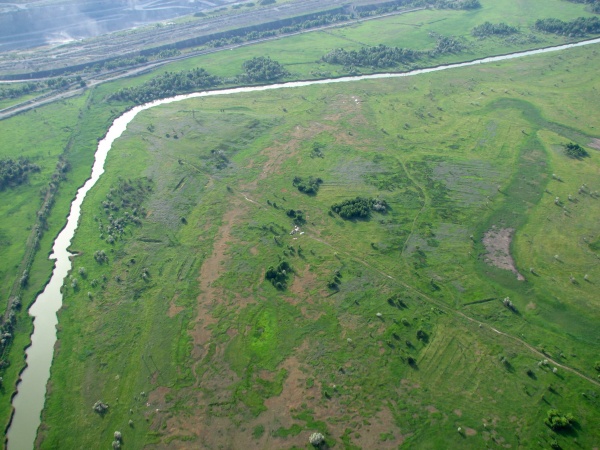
(29, 400)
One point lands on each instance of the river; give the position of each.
(29, 400)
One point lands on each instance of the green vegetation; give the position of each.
(581, 26)
(487, 29)
(359, 207)
(261, 69)
(14, 173)
(308, 185)
(557, 421)
(574, 150)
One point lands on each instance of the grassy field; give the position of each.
(452, 153)
(181, 334)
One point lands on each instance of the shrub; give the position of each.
(576, 151)
(557, 421)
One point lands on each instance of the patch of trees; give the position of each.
(19, 90)
(168, 85)
(557, 421)
(445, 45)
(457, 4)
(297, 215)
(15, 172)
(308, 185)
(278, 275)
(576, 151)
(359, 207)
(383, 56)
(263, 68)
(594, 4)
(122, 206)
(379, 56)
(487, 29)
(578, 27)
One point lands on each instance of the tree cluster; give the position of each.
(123, 206)
(278, 275)
(15, 172)
(487, 29)
(19, 90)
(557, 421)
(594, 4)
(168, 85)
(445, 45)
(359, 207)
(457, 4)
(297, 215)
(379, 56)
(576, 28)
(576, 151)
(308, 186)
(263, 68)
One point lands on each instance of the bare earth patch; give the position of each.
(497, 243)
(595, 144)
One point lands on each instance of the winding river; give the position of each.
(29, 400)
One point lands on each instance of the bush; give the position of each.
(576, 151)
(308, 186)
(557, 421)
(360, 207)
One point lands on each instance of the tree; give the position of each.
(557, 421)
(576, 151)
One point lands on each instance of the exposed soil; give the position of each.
(497, 243)
(595, 144)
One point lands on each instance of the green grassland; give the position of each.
(434, 148)
(181, 334)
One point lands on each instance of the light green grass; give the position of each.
(468, 132)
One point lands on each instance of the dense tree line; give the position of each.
(383, 56)
(19, 90)
(493, 29)
(379, 56)
(168, 85)
(457, 4)
(359, 207)
(15, 172)
(594, 4)
(578, 27)
(259, 69)
(262, 68)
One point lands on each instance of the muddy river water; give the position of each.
(29, 400)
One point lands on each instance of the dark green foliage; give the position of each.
(490, 29)
(297, 215)
(19, 90)
(278, 275)
(308, 186)
(123, 206)
(445, 45)
(360, 207)
(265, 2)
(557, 421)
(168, 85)
(594, 4)
(458, 4)
(380, 56)
(263, 68)
(578, 27)
(573, 150)
(15, 172)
